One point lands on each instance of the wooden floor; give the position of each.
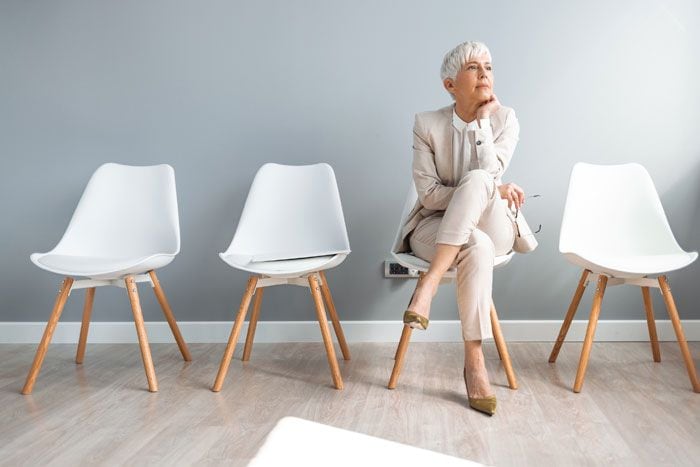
(631, 411)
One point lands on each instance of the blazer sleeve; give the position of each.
(432, 193)
(494, 155)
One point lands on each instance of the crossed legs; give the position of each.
(474, 228)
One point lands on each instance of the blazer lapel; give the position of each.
(444, 155)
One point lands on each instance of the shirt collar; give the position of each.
(458, 123)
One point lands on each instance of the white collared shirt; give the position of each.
(467, 136)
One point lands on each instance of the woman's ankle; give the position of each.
(429, 283)
(473, 354)
(473, 346)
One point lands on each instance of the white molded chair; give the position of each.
(125, 226)
(291, 230)
(410, 261)
(615, 228)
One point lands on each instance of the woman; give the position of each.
(462, 216)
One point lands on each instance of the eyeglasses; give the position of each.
(517, 211)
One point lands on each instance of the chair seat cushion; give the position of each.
(283, 268)
(99, 268)
(632, 265)
(411, 261)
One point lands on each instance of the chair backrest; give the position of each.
(614, 209)
(125, 211)
(291, 212)
(409, 203)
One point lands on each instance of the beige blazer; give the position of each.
(433, 160)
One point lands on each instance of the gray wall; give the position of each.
(217, 88)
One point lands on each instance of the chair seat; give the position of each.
(283, 268)
(632, 265)
(99, 268)
(411, 261)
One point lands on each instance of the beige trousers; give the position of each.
(480, 222)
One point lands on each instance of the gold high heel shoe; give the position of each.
(412, 318)
(415, 320)
(485, 405)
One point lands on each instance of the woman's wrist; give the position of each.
(483, 121)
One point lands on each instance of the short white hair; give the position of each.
(456, 58)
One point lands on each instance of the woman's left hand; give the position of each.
(513, 194)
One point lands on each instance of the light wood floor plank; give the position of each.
(631, 411)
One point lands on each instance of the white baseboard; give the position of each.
(355, 331)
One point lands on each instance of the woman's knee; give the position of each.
(473, 183)
(476, 176)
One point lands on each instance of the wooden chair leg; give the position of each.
(168, 312)
(334, 316)
(252, 324)
(502, 348)
(590, 332)
(680, 335)
(399, 356)
(569, 316)
(500, 357)
(141, 332)
(85, 326)
(233, 338)
(323, 322)
(651, 324)
(48, 334)
(396, 354)
(398, 349)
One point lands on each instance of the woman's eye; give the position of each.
(471, 67)
(489, 68)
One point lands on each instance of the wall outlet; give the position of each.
(394, 269)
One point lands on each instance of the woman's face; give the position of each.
(473, 83)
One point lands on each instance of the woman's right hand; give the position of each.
(513, 194)
(488, 108)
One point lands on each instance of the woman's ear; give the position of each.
(449, 85)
